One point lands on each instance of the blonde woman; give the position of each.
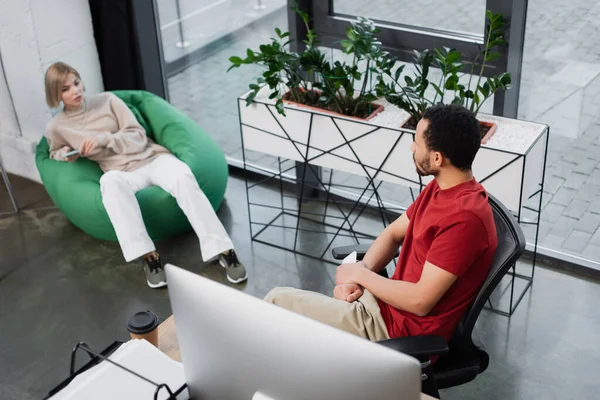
(101, 128)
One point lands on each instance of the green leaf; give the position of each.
(451, 82)
(456, 68)
(506, 79)
(278, 32)
(273, 95)
(440, 55)
(485, 89)
(280, 107)
(417, 56)
(266, 49)
(409, 80)
(437, 89)
(476, 99)
(236, 60)
(250, 98)
(492, 57)
(426, 63)
(369, 97)
(497, 42)
(349, 89)
(496, 33)
(453, 57)
(273, 81)
(301, 13)
(347, 46)
(352, 35)
(397, 74)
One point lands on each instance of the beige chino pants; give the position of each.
(362, 317)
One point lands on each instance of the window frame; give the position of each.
(401, 40)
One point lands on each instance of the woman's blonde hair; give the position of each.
(56, 74)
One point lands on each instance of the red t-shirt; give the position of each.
(454, 230)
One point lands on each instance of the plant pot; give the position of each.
(491, 129)
(511, 168)
(328, 140)
(377, 108)
(406, 122)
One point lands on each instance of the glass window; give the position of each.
(449, 15)
(198, 38)
(560, 86)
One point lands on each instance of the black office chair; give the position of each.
(463, 358)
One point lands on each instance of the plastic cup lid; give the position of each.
(142, 322)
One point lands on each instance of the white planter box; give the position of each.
(510, 165)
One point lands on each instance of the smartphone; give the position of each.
(71, 153)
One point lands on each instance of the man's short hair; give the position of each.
(453, 130)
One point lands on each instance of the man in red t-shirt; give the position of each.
(448, 240)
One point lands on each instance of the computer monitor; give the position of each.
(235, 346)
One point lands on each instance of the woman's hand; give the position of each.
(87, 147)
(71, 159)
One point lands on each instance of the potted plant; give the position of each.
(309, 79)
(474, 98)
(309, 108)
(413, 95)
(306, 107)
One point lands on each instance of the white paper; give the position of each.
(107, 381)
(350, 258)
(260, 396)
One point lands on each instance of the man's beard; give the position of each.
(424, 168)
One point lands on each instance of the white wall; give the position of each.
(33, 35)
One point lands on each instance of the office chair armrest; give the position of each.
(421, 347)
(339, 253)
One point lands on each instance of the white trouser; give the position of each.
(175, 177)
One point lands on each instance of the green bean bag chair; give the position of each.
(75, 187)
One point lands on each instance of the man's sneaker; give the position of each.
(155, 273)
(236, 272)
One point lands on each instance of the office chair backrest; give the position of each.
(511, 244)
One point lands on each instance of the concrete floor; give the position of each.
(59, 286)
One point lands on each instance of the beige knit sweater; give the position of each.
(122, 142)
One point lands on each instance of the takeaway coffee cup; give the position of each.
(144, 325)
